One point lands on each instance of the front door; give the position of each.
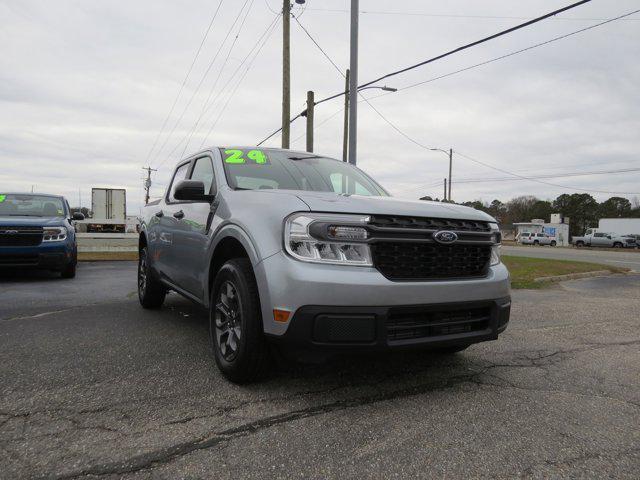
(191, 236)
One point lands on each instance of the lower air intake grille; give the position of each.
(406, 323)
(424, 261)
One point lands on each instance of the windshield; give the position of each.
(253, 169)
(30, 205)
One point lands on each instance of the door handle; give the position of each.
(179, 214)
(160, 214)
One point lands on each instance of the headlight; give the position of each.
(326, 238)
(54, 234)
(497, 239)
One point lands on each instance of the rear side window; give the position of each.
(203, 171)
(181, 174)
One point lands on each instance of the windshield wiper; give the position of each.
(305, 158)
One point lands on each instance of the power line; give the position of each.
(441, 56)
(237, 85)
(184, 82)
(479, 42)
(511, 54)
(540, 181)
(202, 79)
(549, 175)
(435, 15)
(215, 83)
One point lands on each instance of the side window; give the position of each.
(599, 235)
(203, 171)
(181, 173)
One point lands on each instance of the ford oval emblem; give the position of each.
(445, 237)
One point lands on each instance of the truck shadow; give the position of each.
(290, 369)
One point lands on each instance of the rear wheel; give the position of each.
(579, 244)
(536, 243)
(235, 323)
(553, 243)
(150, 291)
(617, 245)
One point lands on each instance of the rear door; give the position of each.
(192, 234)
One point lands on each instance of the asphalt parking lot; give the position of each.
(94, 386)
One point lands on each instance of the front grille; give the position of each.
(15, 260)
(386, 221)
(407, 323)
(20, 236)
(428, 261)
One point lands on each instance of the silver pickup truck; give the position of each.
(311, 256)
(592, 238)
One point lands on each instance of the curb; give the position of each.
(573, 276)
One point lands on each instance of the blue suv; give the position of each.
(36, 231)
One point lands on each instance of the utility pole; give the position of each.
(353, 84)
(444, 199)
(286, 72)
(345, 135)
(147, 183)
(450, 167)
(310, 104)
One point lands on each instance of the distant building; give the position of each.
(558, 228)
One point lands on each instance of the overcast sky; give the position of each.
(86, 85)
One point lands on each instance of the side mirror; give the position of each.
(609, 237)
(191, 190)
(77, 216)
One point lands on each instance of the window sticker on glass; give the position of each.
(237, 156)
(2, 197)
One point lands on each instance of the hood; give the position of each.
(331, 202)
(334, 203)
(6, 221)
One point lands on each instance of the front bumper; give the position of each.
(285, 283)
(339, 329)
(46, 256)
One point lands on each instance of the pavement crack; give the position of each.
(168, 454)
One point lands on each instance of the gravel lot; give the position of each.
(93, 386)
(624, 258)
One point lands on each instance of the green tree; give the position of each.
(615, 207)
(581, 208)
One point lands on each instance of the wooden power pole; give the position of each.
(345, 137)
(310, 107)
(147, 183)
(286, 72)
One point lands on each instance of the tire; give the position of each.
(553, 243)
(69, 271)
(151, 292)
(235, 320)
(580, 244)
(536, 243)
(451, 350)
(617, 245)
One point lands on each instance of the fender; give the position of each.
(234, 231)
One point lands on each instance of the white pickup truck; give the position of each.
(593, 238)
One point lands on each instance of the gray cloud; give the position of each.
(85, 86)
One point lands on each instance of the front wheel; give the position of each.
(617, 245)
(553, 243)
(235, 323)
(151, 292)
(536, 243)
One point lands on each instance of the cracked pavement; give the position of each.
(92, 386)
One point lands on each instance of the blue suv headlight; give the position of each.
(54, 234)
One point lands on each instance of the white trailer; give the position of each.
(109, 206)
(620, 226)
